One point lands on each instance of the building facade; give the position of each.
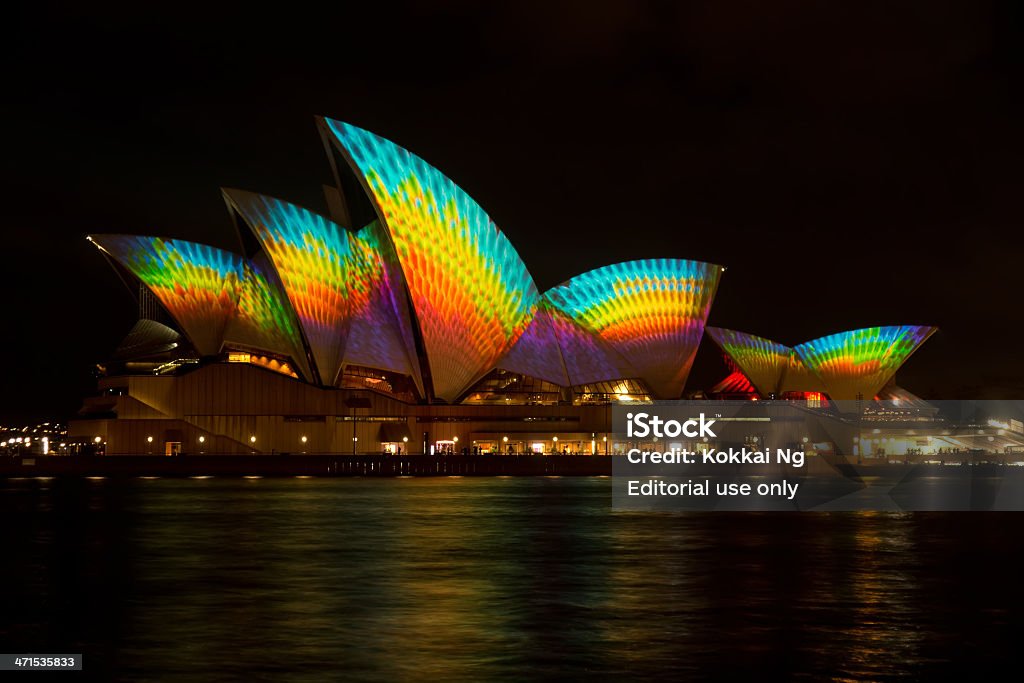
(407, 321)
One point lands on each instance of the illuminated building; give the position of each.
(197, 285)
(406, 319)
(651, 312)
(858, 363)
(471, 292)
(851, 365)
(761, 361)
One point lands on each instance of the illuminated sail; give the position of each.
(857, 363)
(536, 353)
(652, 312)
(380, 335)
(588, 358)
(314, 260)
(265, 319)
(763, 361)
(797, 378)
(197, 284)
(470, 291)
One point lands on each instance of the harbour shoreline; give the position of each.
(378, 465)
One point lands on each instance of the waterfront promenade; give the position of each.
(378, 465)
(365, 465)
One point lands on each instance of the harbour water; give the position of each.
(491, 578)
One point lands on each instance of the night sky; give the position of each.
(851, 166)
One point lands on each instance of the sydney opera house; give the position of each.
(405, 321)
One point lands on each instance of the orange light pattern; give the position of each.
(471, 292)
(652, 312)
(197, 284)
(264, 319)
(816, 399)
(268, 362)
(857, 363)
(381, 335)
(762, 360)
(314, 260)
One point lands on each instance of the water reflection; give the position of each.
(470, 579)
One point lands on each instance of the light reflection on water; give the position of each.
(475, 579)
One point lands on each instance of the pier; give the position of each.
(307, 465)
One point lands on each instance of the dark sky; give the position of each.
(850, 163)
